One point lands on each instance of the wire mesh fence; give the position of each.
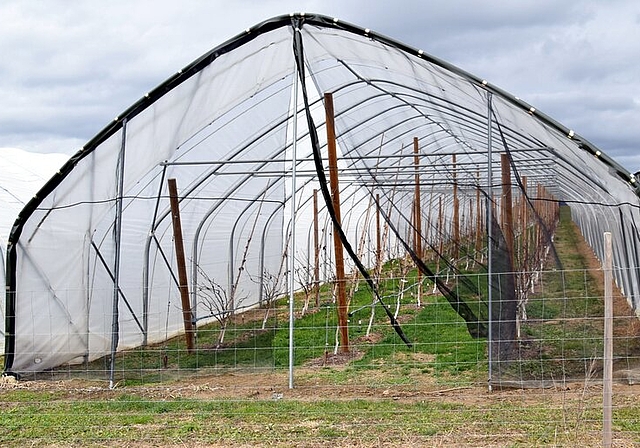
(233, 387)
(410, 368)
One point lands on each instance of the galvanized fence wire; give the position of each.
(548, 391)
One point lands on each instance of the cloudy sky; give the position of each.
(68, 67)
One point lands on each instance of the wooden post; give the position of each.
(337, 244)
(525, 222)
(440, 235)
(469, 223)
(378, 238)
(507, 205)
(538, 208)
(430, 226)
(456, 212)
(525, 264)
(417, 215)
(607, 374)
(316, 250)
(417, 210)
(478, 218)
(187, 317)
(525, 203)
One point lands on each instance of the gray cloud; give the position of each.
(68, 68)
(575, 61)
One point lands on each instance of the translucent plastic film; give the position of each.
(96, 255)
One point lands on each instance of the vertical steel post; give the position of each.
(117, 233)
(316, 250)
(292, 247)
(417, 214)
(489, 213)
(456, 211)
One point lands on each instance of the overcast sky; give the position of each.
(69, 67)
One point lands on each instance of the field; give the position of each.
(327, 407)
(382, 393)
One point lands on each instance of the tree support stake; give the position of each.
(337, 244)
(182, 269)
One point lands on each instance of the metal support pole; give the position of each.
(489, 213)
(117, 232)
(316, 250)
(417, 214)
(292, 248)
(456, 211)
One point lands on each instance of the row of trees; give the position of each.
(451, 237)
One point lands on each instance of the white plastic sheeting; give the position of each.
(22, 174)
(222, 128)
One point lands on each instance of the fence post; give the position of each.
(608, 343)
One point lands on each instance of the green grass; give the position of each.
(127, 418)
(562, 338)
(433, 329)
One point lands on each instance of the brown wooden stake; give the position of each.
(316, 249)
(525, 223)
(417, 213)
(337, 244)
(478, 217)
(180, 260)
(440, 235)
(469, 225)
(523, 200)
(538, 207)
(378, 238)
(507, 205)
(456, 211)
(430, 226)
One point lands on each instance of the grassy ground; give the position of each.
(562, 338)
(208, 413)
(381, 394)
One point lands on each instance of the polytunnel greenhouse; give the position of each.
(245, 175)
